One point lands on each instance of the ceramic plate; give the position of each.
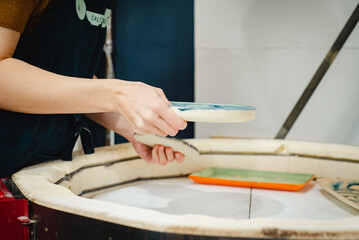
(208, 112)
(345, 190)
(252, 178)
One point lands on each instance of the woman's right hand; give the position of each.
(145, 108)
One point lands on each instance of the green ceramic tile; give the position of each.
(255, 175)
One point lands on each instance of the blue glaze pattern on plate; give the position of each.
(186, 106)
(348, 190)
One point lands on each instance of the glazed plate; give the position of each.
(345, 190)
(209, 112)
(252, 178)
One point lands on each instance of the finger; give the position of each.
(162, 155)
(151, 130)
(147, 156)
(162, 125)
(179, 157)
(155, 158)
(169, 115)
(170, 154)
(173, 119)
(153, 117)
(150, 123)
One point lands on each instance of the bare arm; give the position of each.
(28, 89)
(114, 122)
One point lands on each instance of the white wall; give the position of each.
(264, 52)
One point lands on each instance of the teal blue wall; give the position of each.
(154, 43)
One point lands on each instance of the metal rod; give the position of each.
(323, 68)
(110, 135)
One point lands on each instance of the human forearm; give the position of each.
(114, 122)
(28, 89)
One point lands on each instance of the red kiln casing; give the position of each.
(14, 215)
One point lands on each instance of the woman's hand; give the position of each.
(158, 154)
(145, 109)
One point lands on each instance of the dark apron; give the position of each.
(68, 40)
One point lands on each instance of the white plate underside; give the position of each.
(183, 196)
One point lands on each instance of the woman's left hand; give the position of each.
(157, 154)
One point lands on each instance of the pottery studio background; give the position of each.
(254, 52)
